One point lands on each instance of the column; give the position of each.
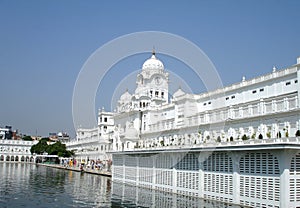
(261, 107)
(154, 173)
(123, 169)
(298, 85)
(137, 171)
(201, 180)
(285, 104)
(284, 158)
(174, 182)
(235, 156)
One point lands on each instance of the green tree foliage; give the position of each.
(27, 138)
(57, 148)
(40, 147)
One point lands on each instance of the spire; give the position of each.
(153, 51)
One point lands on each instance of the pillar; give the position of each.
(175, 160)
(284, 158)
(235, 157)
(174, 183)
(298, 85)
(201, 181)
(123, 169)
(137, 179)
(154, 172)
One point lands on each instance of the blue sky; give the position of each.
(44, 44)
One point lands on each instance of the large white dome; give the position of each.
(153, 63)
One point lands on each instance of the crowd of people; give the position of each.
(101, 165)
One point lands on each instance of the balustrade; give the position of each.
(184, 143)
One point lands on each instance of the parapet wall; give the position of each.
(259, 176)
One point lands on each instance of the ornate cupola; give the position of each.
(153, 63)
(152, 82)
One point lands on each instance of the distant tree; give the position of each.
(40, 147)
(45, 139)
(57, 148)
(27, 138)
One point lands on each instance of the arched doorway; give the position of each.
(2, 158)
(12, 158)
(22, 159)
(7, 158)
(17, 158)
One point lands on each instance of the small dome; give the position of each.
(131, 134)
(178, 93)
(153, 63)
(126, 96)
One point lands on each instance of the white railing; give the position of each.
(15, 153)
(17, 142)
(250, 142)
(252, 81)
(83, 141)
(235, 112)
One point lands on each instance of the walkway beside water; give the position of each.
(77, 169)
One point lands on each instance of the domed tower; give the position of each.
(124, 103)
(152, 82)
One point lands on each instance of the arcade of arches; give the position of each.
(16, 158)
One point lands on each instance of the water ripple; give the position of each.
(27, 185)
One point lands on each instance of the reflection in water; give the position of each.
(28, 185)
(132, 196)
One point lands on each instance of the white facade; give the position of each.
(263, 107)
(16, 150)
(93, 144)
(255, 173)
(228, 144)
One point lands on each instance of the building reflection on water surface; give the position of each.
(124, 195)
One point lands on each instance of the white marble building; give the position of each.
(263, 107)
(93, 144)
(16, 150)
(238, 144)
